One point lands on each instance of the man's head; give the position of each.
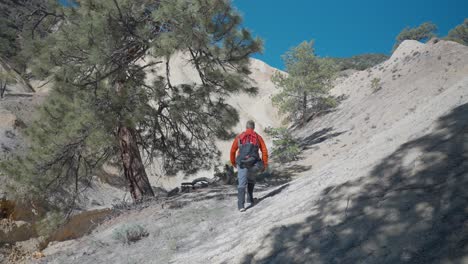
(250, 124)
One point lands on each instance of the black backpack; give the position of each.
(248, 150)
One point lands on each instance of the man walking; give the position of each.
(248, 162)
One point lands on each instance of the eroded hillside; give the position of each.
(382, 179)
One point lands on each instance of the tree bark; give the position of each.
(2, 88)
(304, 109)
(134, 169)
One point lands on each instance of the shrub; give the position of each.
(376, 84)
(129, 233)
(285, 146)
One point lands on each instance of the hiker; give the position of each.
(248, 162)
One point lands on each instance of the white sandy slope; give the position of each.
(383, 179)
(258, 108)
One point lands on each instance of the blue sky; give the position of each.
(342, 28)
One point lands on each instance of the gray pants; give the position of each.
(246, 179)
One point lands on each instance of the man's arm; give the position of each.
(264, 150)
(234, 148)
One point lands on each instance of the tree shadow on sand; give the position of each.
(318, 137)
(279, 176)
(412, 208)
(276, 181)
(266, 181)
(268, 195)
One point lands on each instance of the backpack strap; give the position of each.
(250, 136)
(239, 138)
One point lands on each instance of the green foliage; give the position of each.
(459, 33)
(8, 47)
(66, 144)
(99, 58)
(376, 84)
(305, 88)
(423, 32)
(130, 233)
(6, 78)
(360, 62)
(285, 146)
(21, 22)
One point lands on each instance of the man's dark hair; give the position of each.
(250, 124)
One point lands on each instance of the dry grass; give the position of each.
(129, 233)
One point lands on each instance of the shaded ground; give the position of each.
(265, 182)
(318, 137)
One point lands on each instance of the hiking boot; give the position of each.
(240, 198)
(250, 189)
(250, 203)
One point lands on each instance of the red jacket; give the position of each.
(261, 145)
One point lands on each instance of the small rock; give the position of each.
(9, 134)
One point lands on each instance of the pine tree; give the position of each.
(22, 21)
(459, 33)
(103, 108)
(423, 32)
(305, 87)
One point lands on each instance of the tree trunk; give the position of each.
(134, 169)
(2, 88)
(304, 109)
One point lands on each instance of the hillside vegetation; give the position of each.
(346, 205)
(360, 62)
